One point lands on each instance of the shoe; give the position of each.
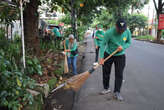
(118, 96)
(96, 63)
(105, 91)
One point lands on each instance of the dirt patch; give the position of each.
(62, 99)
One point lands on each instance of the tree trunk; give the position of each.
(159, 34)
(132, 9)
(73, 18)
(159, 11)
(31, 32)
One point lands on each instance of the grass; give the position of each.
(146, 37)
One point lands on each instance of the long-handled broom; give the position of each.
(77, 81)
(66, 70)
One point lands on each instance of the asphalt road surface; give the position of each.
(143, 88)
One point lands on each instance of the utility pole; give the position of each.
(22, 31)
(148, 19)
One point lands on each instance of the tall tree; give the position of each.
(121, 7)
(159, 11)
(138, 4)
(136, 21)
(31, 17)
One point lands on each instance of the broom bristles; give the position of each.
(78, 80)
(66, 70)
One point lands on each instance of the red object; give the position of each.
(61, 24)
(161, 22)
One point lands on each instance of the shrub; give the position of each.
(33, 66)
(147, 37)
(13, 85)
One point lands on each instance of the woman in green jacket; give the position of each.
(72, 52)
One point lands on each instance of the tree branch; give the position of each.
(155, 5)
(64, 5)
(162, 4)
(67, 7)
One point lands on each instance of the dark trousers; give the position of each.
(57, 42)
(97, 54)
(119, 63)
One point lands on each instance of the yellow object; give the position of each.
(19, 108)
(81, 4)
(67, 86)
(19, 82)
(61, 78)
(66, 69)
(59, 82)
(124, 38)
(17, 92)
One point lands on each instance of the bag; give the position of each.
(74, 52)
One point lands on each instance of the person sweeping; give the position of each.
(57, 36)
(116, 38)
(72, 53)
(99, 36)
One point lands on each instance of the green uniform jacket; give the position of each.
(56, 32)
(100, 35)
(112, 40)
(71, 49)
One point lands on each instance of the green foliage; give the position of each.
(33, 66)
(162, 34)
(139, 4)
(52, 83)
(136, 21)
(2, 33)
(81, 31)
(117, 9)
(46, 45)
(12, 50)
(67, 32)
(13, 84)
(147, 37)
(55, 22)
(105, 19)
(66, 19)
(8, 13)
(59, 70)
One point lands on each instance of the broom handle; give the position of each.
(64, 45)
(110, 55)
(107, 58)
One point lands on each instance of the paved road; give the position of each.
(143, 88)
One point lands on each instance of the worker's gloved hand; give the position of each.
(67, 50)
(120, 48)
(101, 62)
